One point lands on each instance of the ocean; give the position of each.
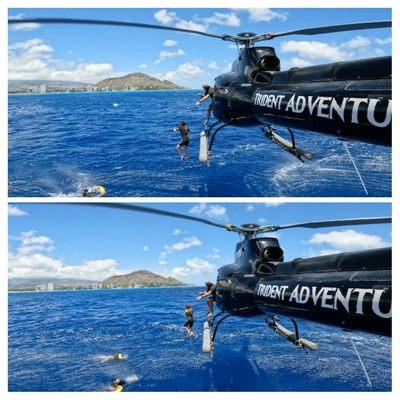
(60, 144)
(59, 341)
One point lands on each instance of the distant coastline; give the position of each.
(130, 82)
(103, 91)
(102, 289)
(134, 280)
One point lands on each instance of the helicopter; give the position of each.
(350, 290)
(349, 100)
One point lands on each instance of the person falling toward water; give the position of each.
(210, 291)
(189, 320)
(208, 94)
(184, 130)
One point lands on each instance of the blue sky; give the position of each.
(90, 53)
(58, 240)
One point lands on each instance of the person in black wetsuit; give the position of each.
(184, 130)
(210, 291)
(208, 94)
(189, 320)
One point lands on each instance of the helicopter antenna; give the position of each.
(346, 147)
(360, 359)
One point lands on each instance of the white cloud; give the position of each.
(31, 243)
(194, 266)
(184, 244)
(347, 240)
(188, 70)
(171, 18)
(195, 26)
(14, 211)
(356, 43)
(165, 17)
(266, 15)
(249, 207)
(262, 221)
(215, 211)
(307, 53)
(198, 24)
(215, 254)
(162, 262)
(170, 43)
(143, 66)
(146, 248)
(29, 262)
(313, 50)
(219, 18)
(300, 62)
(32, 59)
(178, 231)
(383, 42)
(28, 26)
(213, 65)
(163, 55)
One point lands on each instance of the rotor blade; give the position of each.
(112, 23)
(149, 210)
(326, 224)
(330, 29)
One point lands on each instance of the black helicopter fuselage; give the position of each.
(348, 290)
(349, 100)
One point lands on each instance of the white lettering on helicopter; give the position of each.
(327, 297)
(325, 107)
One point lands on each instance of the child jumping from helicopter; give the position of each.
(184, 130)
(210, 291)
(189, 320)
(208, 94)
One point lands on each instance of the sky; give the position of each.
(90, 53)
(72, 241)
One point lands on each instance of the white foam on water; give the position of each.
(104, 358)
(132, 378)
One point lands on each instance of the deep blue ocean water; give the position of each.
(61, 143)
(57, 341)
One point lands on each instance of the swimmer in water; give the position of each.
(117, 385)
(115, 357)
(94, 191)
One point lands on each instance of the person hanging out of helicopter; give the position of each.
(189, 320)
(184, 130)
(210, 291)
(208, 94)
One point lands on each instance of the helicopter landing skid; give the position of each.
(293, 337)
(205, 144)
(209, 332)
(290, 146)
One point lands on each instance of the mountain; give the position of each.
(141, 278)
(22, 284)
(136, 80)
